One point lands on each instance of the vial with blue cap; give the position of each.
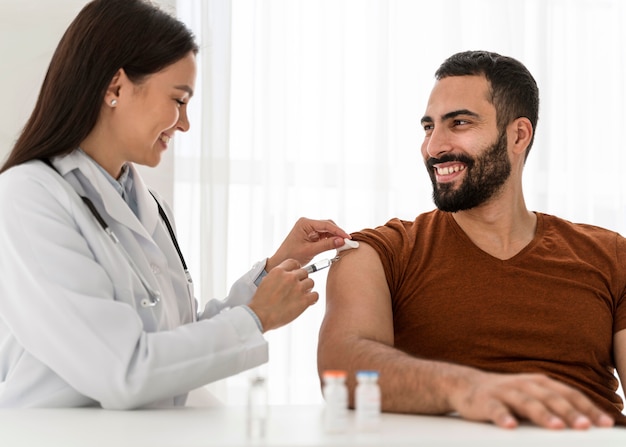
(367, 400)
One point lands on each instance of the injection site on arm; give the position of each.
(325, 263)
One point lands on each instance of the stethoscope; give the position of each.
(154, 295)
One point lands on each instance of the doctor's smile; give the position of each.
(165, 139)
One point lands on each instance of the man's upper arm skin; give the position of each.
(357, 333)
(358, 307)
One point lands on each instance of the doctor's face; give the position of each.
(149, 113)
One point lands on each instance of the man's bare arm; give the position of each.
(357, 333)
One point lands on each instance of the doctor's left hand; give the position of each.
(307, 239)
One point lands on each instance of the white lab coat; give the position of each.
(72, 330)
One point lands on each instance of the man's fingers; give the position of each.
(576, 409)
(501, 416)
(553, 405)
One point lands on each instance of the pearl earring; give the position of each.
(113, 102)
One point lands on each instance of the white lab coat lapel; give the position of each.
(113, 204)
(145, 251)
(146, 204)
(178, 310)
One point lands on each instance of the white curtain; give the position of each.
(312, 108)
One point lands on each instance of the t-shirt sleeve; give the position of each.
(393, 244)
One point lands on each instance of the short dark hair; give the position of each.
(105, 36)
(514, 92)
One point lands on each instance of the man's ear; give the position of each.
(113, 90)
(520, 134)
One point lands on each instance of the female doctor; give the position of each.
(96, 307)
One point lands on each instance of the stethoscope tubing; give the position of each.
(155, 295)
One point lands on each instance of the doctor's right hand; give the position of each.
(283, 295)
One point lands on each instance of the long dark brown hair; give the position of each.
(105, 36)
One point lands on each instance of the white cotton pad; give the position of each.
(349, 243)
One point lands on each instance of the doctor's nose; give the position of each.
(183, 122)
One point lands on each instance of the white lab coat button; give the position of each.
(155, 269)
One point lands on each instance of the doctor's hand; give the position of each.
(307, 239)
(283, 295)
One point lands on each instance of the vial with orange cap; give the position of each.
(336, 396)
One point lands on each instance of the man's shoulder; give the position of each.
(561, 224)
(402, 234)
(398, 223)
(576, 232)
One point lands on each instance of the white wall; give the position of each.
(29, 33)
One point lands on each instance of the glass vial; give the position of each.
(257, 408)
(367, 400)
(336, 396)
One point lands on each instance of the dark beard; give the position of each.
(484, 177)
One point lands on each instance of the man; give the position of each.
(482, 307)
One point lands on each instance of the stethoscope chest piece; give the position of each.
(154, 295)
(147, 302)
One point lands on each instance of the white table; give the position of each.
(291, 426)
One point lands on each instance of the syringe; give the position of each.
(320, 265)
(325, 263)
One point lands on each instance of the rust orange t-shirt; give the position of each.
(552, 308)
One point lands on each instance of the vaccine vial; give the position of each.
(367, 400)
(336, 396)
(257, 408)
